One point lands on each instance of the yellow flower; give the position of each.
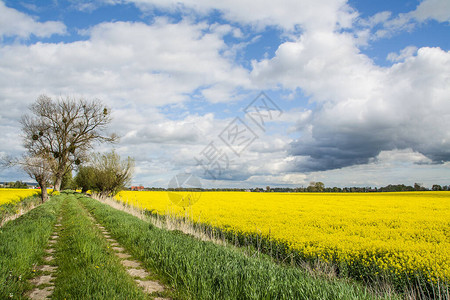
(16, 195)
(401, 233)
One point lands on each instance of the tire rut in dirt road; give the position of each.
(44, 282)
(134, 268)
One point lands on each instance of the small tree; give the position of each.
(418, 186)
(111, 173)
(315, 187)
(436, 187)
(39, 168)
(107, 174)
(311, 187)
(68, 182)
(85, 178)
(319, 186)
(66, 130)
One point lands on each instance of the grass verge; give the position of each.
(87, 269)
(9, 211)
(410, 284)
(204, 270)
(22, 244)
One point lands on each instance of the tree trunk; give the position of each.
(58, 182)
(44, 194)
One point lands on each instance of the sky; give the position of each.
(243, 93)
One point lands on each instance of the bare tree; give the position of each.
(66, 130)
(39, 168)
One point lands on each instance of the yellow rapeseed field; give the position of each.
(400, 234)
(15, 195)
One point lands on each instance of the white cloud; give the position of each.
(377, 19)
(187, 131)
(154, 64)
(385, 24)
(286, 14)
(401, 156)
(16, 24)
(296, 180)
(438, 10)
(325, 65)
(404, 54)
(177, 145)
(151, 65)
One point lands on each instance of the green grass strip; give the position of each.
(204, 270)
(22, 244)
(87, 269)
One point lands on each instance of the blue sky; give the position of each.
(355, 93)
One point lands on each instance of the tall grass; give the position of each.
(414, 285)
(204, 270)
(22, 244)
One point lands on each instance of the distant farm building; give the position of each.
(137, 188)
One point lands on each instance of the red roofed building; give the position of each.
(137, 188)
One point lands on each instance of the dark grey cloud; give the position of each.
(334, 146)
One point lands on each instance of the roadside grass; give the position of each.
(412, 285)
(22, 244)
(204, 270)
(87, 269)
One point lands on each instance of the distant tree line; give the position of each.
(317, 187)
(14, 185)
(320, 187)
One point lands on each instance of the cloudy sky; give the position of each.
(243, 93)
